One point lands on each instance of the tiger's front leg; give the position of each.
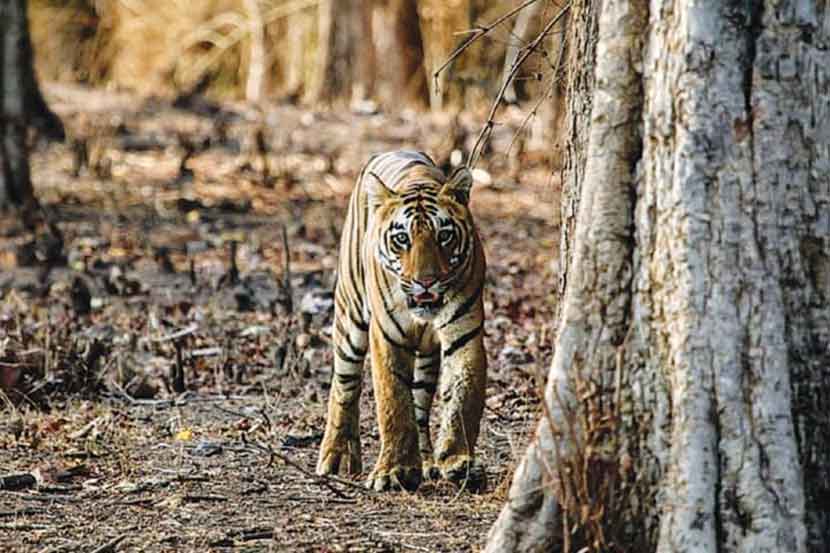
(340, 449)
(423, 390)
(463, 382)
(399, 460)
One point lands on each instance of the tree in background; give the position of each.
(440, 21)
(311, 51)
(346, 55)
(686, 404)
(418, 36)
(21, 106)
(409, 77)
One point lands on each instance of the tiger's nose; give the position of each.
(425, 282)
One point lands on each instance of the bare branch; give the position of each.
(110, 546)
(286, 282)
(325, 480)
(546, 96)
(478, 32)
(526, 52)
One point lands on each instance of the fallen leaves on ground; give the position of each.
(165, 372)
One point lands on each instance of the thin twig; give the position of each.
(201, 498)
(532, 113)
(487, 129)
(324, 479)
(25, 512)
(186, 331)
(231, 412)
(110, 545)
(478, 32)
(23, 527)
(289, 299)
(546, 96)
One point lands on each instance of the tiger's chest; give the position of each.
(387, 307)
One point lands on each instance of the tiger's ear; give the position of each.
(458, 185)
(377, 191)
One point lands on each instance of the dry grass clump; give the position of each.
(72, 40)
(597, 482)
(163, 43)
(179, 43)
(163, 47)
(166, 47)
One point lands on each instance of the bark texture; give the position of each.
(15, 186)
(592, 324)
(697, 282)
(580, 45)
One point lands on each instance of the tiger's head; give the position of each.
(425, 235)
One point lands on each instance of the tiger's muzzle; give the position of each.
(425, 298)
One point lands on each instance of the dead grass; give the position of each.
(595, 479)
(161, 47)
(72, 40)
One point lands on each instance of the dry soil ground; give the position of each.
(165, 369)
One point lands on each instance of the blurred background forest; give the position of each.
(311, 51)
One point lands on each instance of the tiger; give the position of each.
(409, 288)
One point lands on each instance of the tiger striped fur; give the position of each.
(409, 292)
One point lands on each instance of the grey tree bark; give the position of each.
(21, 106)
(686, 402)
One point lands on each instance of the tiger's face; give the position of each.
(425, 239)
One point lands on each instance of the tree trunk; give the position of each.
(410, 79)
(346, 52)
(255, 79)
(686, 402)
(297, 55)
(440, 20)
(15, 186)
(21, 106)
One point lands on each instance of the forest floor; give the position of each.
(165, 368)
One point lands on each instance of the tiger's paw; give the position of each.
(465, 472)
(396, 478)
(333, 458)
(430, 470)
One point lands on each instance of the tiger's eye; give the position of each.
(400, 239)
(445, 236)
